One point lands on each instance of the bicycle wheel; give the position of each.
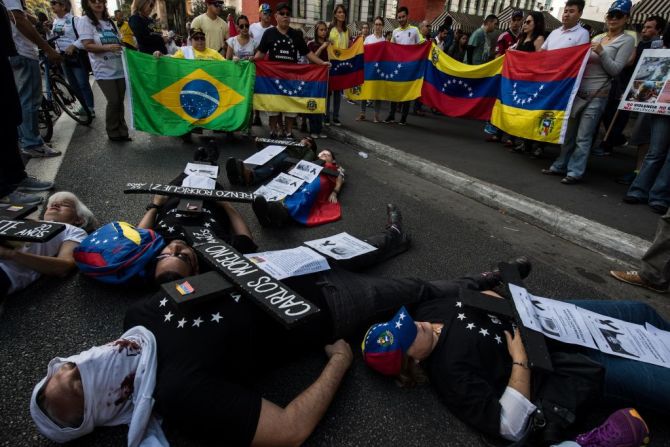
(69, 101)
(45, 124)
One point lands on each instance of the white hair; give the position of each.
(88, 221)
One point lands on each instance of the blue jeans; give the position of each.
(629, 382)
(578, 139)
(336, 96)
(653, 181)
(269, 169)
(77, 77)
(28, 81)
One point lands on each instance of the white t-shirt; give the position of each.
(107, 65)
(565, 38)
(373, 39)
(256, 32)
(242, 51)
(21, 276)
(64, 27)
(407, 36)
(24, 46)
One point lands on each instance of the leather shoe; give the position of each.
(568, 180)
(490, 280)
(632, 200)
(550, 172)
(393, 217)
(260, 208)
(231, 170)
(659, 209)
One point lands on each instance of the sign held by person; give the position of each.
(649, 88)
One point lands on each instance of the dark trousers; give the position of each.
(404, 110)
(12, 169)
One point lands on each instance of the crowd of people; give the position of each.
(160, 368)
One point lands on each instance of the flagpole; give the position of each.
(609, 128)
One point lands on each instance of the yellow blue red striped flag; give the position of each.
(293, 88)
(346, 66)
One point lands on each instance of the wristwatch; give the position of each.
(152, 206)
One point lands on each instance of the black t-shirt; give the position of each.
(283, 47)
(170, 222)
(470, 366)
(148, 34)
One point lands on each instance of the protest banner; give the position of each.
(649, 88)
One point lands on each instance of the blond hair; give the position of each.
(138, 5)
(88, 221)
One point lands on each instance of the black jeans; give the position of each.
(404, 110)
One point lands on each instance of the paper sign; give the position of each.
(292, 262)
(199, 181)
(306, 171)
(270, 194)
(202, 170)
(341, 246)
(263, 156)
(285, 184)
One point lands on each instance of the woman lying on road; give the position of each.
(20, 267)
(481, 370)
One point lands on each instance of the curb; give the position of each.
(572, 227)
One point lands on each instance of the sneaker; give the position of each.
(489, 280)
(624, 428)
(42, 151)
(314, 135)
(20, 198)
(31, 183)
(290, 136)
(336, 122)
(326, 122)
(323, 135)
(402, 122)
(92, 113)
(389, 119)
(634, 278)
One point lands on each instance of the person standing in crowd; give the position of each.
(28, 78)
(650, 37)
(505, 41)
(365, 30)
(284, 44)
(198, 50)
(373, 38)
(530, 40)
(652, 184)
(609, 55)
(459, 48)
(441, 38)
(405, 34)
(146, 31)
(241, 47)
(338, 36)
(256, 32)
(13, 177)
(424, 29)
(215, 28)
(76, 70)
(318, 46)
(479, 45)
(448, 39)
(127, 37)
(571, 34)
(100, 38)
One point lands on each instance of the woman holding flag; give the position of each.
(609, 55)
(338, 36)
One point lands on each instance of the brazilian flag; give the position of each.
(172, 96)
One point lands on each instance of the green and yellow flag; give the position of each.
(172, 96)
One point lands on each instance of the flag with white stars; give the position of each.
(286, 87)
(346, 66)
(117, 252)
(537, 91)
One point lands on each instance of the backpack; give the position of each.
(118, 252)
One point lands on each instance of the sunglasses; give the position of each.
(243, 26)
(284, 13)
(615, 15)
(528, 22)
(198, 38)
(183, 256)
(98, 1)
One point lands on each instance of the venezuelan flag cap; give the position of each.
(385, 343)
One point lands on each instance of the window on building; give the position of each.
(371, 12)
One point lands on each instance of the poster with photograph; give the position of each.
(649, 88)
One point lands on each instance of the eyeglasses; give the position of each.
(243, 26)
(181, 255)
(528, 22)
(284, 13)
(198, 38)
(98, 1)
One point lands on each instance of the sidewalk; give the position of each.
(458, 145)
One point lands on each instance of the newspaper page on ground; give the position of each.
(555, 319)
(202, 170)
(306, 170)
(649, 88)
(285, 184)
(341, 246)
(282, 264)
(266, 154)
(574, 325)
(270, 194)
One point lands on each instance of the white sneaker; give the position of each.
(323, 135)
(314, 135)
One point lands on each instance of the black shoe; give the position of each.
(212, 152)
(390, 119)
(659, 209)
(569, 180)
(186, 138)
(260, 208)
(121, 139)
(632, 200)
(232, 171)
(200, 154)
(278, 214)
(393, 218)
(490, 280)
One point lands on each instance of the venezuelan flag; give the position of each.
(393, 72)
(310, 206)
(293, 88)
(537, 91)
(460, 90)
(346, 66)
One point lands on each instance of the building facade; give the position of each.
(310, 11)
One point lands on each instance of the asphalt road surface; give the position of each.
(452, 235)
